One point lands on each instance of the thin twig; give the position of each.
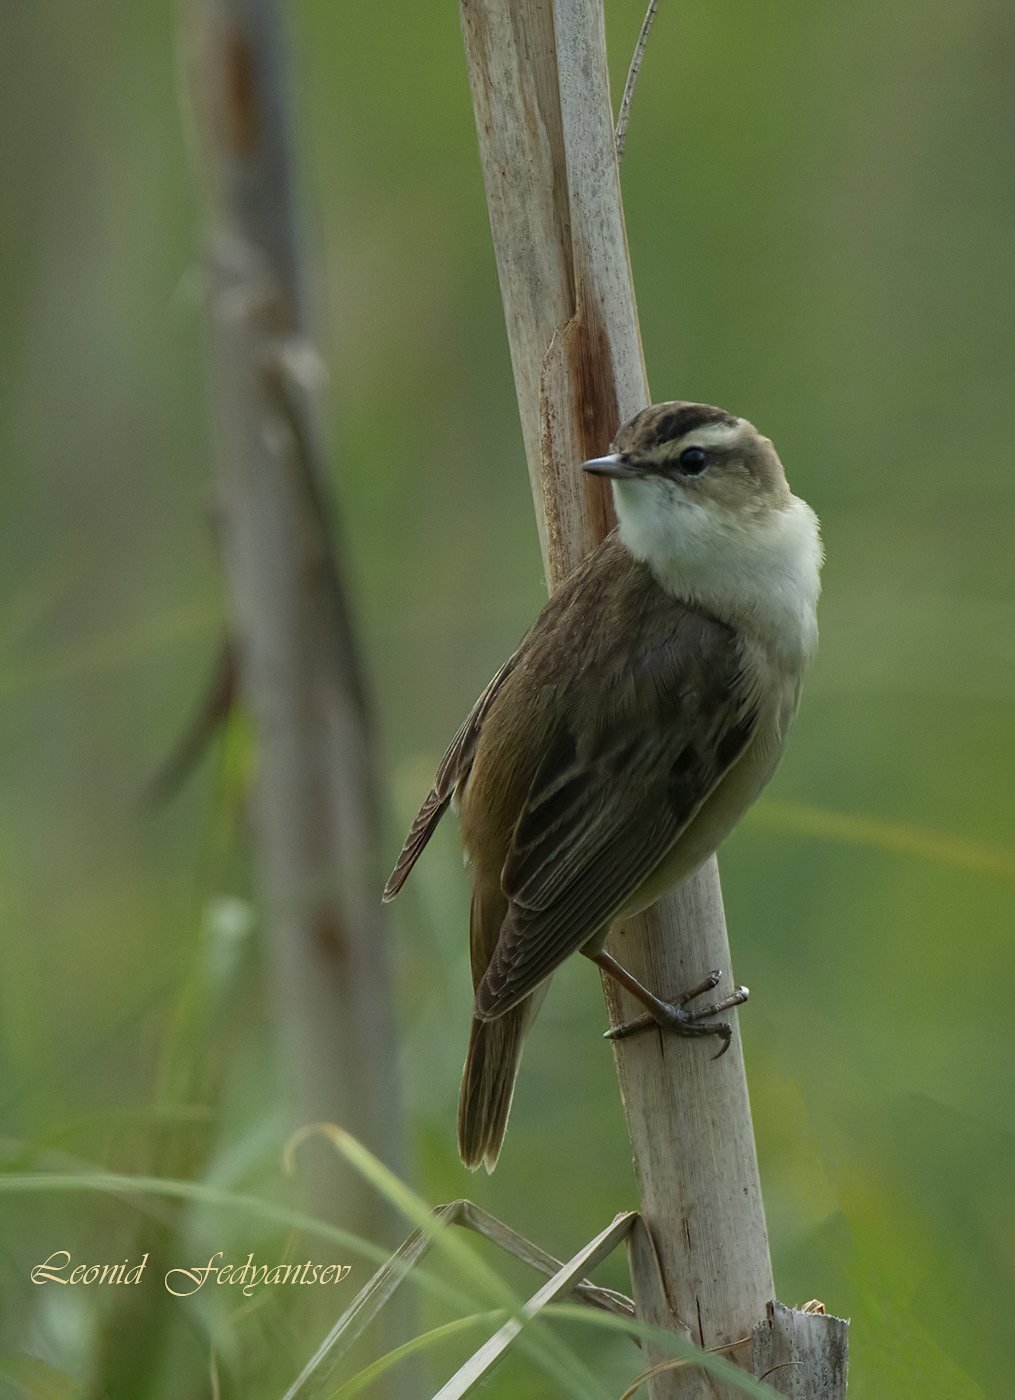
(674, 1364)
(473, 1371)
(632, 77)
(376, 1293)
(214, 708)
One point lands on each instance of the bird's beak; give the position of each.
(614, 466)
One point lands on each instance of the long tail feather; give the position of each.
(488, 1083)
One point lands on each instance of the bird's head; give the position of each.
(701, 497)
(692, 454)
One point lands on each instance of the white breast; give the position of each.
(759, 574)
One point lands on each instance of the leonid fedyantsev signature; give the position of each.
(182, 1283)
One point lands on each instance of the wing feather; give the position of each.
(610, 798)
(454, 769)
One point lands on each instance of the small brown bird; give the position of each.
(636, 722)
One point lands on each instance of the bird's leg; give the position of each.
(671, 1015)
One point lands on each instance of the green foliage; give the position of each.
(820, 230)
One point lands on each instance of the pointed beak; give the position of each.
(614, 466)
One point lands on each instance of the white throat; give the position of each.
(758, 572)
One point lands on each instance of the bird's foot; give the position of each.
(673, 1015)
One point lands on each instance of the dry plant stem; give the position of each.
(313, 1380)
(801, 1353)
(212, 712)
(470, 1375)
(624, 116)
(540, 92)
(297, 665)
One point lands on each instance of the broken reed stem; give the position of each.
(540, 92)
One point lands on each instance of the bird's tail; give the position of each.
(495, 1046)
(488, 1084)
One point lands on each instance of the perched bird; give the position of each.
(636, 722)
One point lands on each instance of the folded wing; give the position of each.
(614, 790)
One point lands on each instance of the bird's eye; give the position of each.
(693, 460)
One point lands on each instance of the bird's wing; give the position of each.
(611, 796)
(454, 769)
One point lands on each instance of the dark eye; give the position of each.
(693, 460)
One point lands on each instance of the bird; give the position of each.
(620, 743)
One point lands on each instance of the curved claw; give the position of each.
(672, 1016)
(725, 1030)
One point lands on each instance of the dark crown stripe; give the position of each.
(680, 420)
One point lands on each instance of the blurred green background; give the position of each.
(821, 215)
